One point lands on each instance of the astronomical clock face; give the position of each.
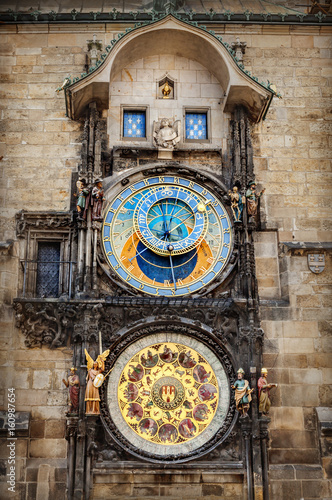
(166, 236)
(168, 394)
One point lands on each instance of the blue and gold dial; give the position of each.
(171, 219)
(167, 236)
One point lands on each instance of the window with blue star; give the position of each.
(196, 126)
(134, 124)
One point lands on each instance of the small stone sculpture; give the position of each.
(252, 199)
(242, 393)
(236, 203)
(166, 134)
(82, 193)
(73, 384)
(264, 392)
(97, 195)
(94, 368)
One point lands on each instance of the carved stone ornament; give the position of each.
(165, 391)
(55, 324)
(42, 220)
(316, 262)
(166, 134)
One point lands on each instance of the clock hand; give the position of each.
(162, 211)
(195, 211)
(181, 223)
(139, 253)
(170, 248)
(155, 232)
(176, 199)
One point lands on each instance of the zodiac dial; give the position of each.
(167, 395)
(167, 236)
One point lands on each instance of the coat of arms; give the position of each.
(168, 393)
(316, 262)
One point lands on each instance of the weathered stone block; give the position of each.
(308, 472)
(300, 395)
(313, 489)
(307, 376)
(212, 489)
(296, 456)
(281, 472)
(145, 491)
(102, 491)
(122, 478)
(55, 428)
(221, 478)
(187, 491)
(32, 491)
(292, 439)
(325, 395)
(298, 346)
(42, 379)
(48, 448)
(37, 428)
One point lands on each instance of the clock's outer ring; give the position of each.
(212, 183)
(185, 327)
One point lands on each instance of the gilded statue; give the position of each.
(94, 368)
(166, 134)
(166, 90)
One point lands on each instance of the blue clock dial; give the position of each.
(171, 219)
(167, 236)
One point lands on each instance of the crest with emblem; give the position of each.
(316, 262)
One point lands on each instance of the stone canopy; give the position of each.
(169, 36)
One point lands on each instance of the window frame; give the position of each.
(130, 107)
(200, 110)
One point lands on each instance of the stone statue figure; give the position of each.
(82, 193)
(73, 384)
(252, 199)
(264, 392)
(166, 134)
(97, 200)
(94, 368)
(242, 393)
(236, 203)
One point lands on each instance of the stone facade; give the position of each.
(40, 151)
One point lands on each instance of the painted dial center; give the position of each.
(168, 393)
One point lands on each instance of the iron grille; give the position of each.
(48, 269)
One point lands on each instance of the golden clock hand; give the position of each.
(200, 207)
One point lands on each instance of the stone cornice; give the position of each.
(114, 17)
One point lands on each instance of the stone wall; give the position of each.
(40, 149)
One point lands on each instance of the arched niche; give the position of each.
(171, 36)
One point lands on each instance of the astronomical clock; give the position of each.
(169, 236)
(166, 236)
